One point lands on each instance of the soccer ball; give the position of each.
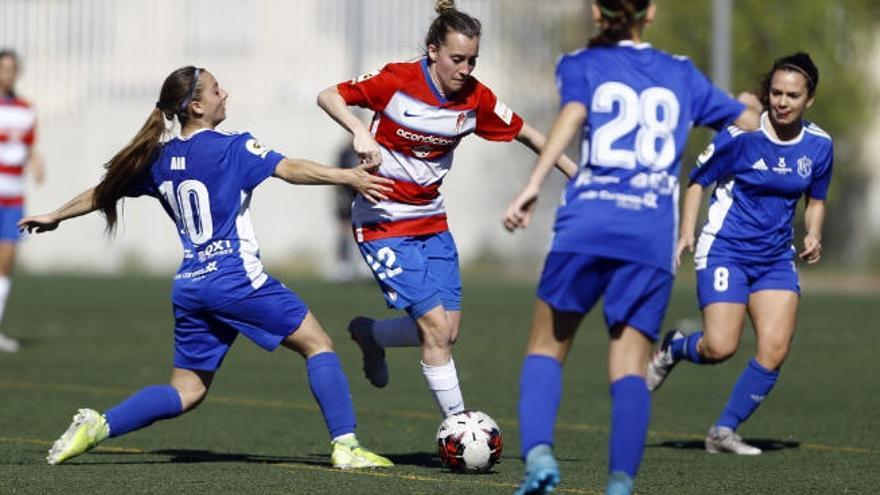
(469, 442)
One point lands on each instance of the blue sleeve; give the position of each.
(822, 178)
(142, 185)
(255, 162)
(710, 106)
(571, 81)
(717, 160)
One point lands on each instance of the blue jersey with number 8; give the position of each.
(641, 103)
(204, 183)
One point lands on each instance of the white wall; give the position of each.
(94, 69)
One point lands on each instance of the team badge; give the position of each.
(253, 146)
(706, 154)
(805, 166)
(459, 122)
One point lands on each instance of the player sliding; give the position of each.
(614, 232)
(204, 180)
(744, 256)
(423, 110)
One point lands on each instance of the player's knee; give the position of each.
(717, 352)
(437, 330)
(772, 357)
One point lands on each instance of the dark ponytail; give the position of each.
(621, 17)
(450, 19)
(127, 165)
(799, 62)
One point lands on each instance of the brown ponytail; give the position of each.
(621, 17)
(127, 165)
(450, 19)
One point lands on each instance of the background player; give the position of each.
(18, 124)
(744, 256)
(422, 111)
(614, 232)
(204, 179)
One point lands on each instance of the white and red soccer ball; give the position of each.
(469, 442)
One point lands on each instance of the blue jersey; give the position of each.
(641, 103)
(759, 182)
(204, 183)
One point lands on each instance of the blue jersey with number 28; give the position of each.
(204, 183)
(641, 103)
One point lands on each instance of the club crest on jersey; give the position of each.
(781, 168)
(256, 148)
(805, 166)
(459, 121)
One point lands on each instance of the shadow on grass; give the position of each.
(191, 456)
(765, 444)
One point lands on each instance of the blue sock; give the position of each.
(753, 385)
(330, 388)
(144, 407)
(686, 348)
(540, 390)
(630, 414)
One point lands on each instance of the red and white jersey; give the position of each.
(18, 121)
(417, 130)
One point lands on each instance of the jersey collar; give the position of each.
(632, 44)
(430, 81)
(194, 134)
(765, 123)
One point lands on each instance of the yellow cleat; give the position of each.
(348, 454)
(88, 429)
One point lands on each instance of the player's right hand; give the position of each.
(367, 149)
(38, 223)
(684, 242)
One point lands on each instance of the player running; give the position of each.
(204, 180)
(614, 232)
(422, 111)
(745, 254)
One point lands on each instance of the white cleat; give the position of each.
(88, 429)
(662, 362)
(723, 439)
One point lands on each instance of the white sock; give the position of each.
(443, 382)
(5, 285)
(346, 438)
(397, 332)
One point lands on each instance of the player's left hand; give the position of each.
(812, 252)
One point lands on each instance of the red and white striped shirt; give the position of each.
(417, 131)
(18, 121)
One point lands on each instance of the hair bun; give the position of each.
(443, 5)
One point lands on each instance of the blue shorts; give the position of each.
(733, 282)
(9, 217)
(267, 316)
(635, 294)
(416, 274)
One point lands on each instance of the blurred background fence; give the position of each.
(94, 67)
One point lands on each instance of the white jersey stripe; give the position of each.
(249, 249)
(717, 213)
